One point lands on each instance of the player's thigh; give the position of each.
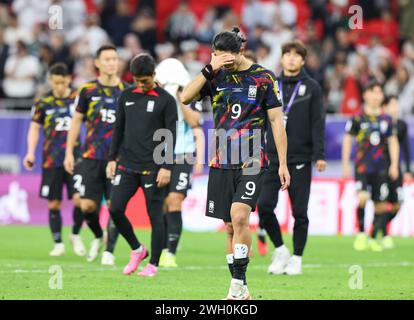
(379, 186)
(154, 196)
(125, 185)
(248, 188)
(52, 183)
(361, 187)
(181, 178)
(269, 193)
(220, 191)
(90, 175)
(396, 191)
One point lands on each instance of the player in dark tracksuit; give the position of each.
(146, 114)
(305, 129)
(396, 197)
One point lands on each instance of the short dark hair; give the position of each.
(387, 99)
(104, 48)
(371, 85)
(142, 65)
(229, 41)
(59, 69)
(296, 45)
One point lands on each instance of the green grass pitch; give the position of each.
(202, 272)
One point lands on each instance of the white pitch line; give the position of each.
(80, 268)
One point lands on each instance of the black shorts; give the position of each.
(93, 180)
(228, 186)
(375, 183)
(181, 177)
(396, 189)
(126, 183)
(53, 180)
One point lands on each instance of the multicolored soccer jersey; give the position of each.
(371, 134)
(239, 104)
(55, 115)
(98, 103)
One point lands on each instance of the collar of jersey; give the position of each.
(152, 92)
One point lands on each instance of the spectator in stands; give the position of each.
(15, 31)
(264, 57)
(90, 35)
(21, 72)
(4, 52)
(30, 12)
(252, 13)
(407, 21)
(144, 26)
(182, 24)
(164, 51)
(119, 24)
(205, 31)
(334, 80)
(402, 86)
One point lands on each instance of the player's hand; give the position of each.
(284, 177)
(198, 169)
(393, 172)
(28, 161)
(69, 163)
(110, 170)
(163, 177)
(219, 61)
(408, 177)
(346, 171)
(320, 165)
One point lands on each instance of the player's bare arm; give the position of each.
(191, 91)
(73, 134)
(394, 151)
(32, 140)
(346, 155)
(279, 134)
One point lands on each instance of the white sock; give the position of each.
(240, 251)
(230, 258)
(298, 258)
(139, 250)
(281, 248)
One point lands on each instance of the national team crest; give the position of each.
(252, 92)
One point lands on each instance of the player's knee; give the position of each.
(54, 205)
(88, 206)
(396, 207)
(380, 207)
(239, 221)
(76, 200)
(363, 198)
(174, 202)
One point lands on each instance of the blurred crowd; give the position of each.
(340, 58)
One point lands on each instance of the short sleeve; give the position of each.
(272, 98)
(352, 126)
(81, 101)
(37, 113)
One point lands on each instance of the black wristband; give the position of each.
(208, 72)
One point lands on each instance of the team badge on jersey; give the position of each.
(150, 106)
(302, 90)
(252, 92)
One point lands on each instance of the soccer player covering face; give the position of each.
(305, 124)
(373, 131)
(53, 114)
(144, 112)
(244, 95)
(96, 105)
(395, 197)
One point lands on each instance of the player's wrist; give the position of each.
(208, 72)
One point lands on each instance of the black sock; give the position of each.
(390, 216)
(113, 234)
(361, 216)
(240, 268)
(77, 220)
(175, 227)
(384, 224)
(231, 269)
(165, 244)
(269, 222)
(261, 235)
(55, 224)
(376, 225)
(92, 219)
(125, 228)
